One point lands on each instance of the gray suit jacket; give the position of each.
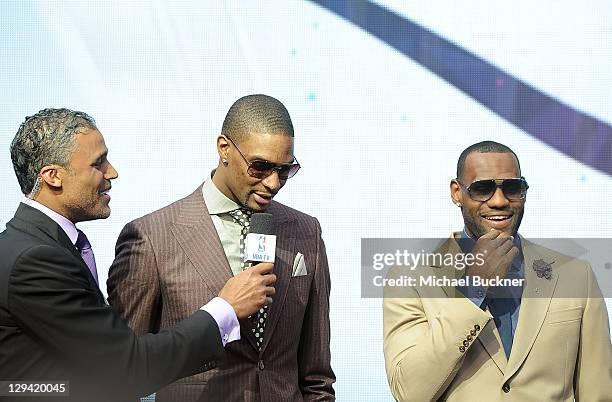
(171, 262)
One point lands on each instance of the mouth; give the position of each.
(105, 193)
(263, 198)
(498, 220)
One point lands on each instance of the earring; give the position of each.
(224, 161)
(458, 204)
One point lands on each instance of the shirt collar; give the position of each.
(216, 202)
(67, 226)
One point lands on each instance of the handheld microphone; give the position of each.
(260, 243)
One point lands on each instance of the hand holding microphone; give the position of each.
(251, 289)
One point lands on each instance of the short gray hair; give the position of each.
(46, 138)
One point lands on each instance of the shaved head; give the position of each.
(261, 114)
(483, 147)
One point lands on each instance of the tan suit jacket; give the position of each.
(441, 347)
(171, 262)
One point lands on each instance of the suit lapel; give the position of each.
(197, 236)
(489, 336)
(537, 293)
(491, 341)
(46, 229)
(285, 246)
(450, 246)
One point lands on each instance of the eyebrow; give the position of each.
(102, 156)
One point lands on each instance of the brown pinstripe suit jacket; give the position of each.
(171, 262)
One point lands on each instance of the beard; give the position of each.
(476, 226)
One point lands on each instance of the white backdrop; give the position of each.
(377, 135)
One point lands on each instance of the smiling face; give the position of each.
(83, 194)
(231, 176)
(498, 212)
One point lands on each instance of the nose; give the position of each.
(273, 182)
(111, 173)
(498, 200)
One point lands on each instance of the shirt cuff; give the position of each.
(225, 316)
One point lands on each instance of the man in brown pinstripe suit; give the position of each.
(171, 261)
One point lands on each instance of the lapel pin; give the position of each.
(543, 269)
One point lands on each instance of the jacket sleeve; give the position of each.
(422, 353)
(51, 299)
(315, 373)
(133, 281)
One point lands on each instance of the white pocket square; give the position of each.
(299, 266)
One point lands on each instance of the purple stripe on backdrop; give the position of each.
(562, 127)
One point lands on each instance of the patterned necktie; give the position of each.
(82, 244)
(243, 218)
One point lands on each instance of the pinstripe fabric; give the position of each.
(171, 262)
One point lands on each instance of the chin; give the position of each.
(510, 231)
(254, 206)
(102, 213)
(257, 208)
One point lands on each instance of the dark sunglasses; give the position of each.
(514, 189)
(262, 169)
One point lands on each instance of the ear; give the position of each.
(223, 147)
(52, 176)
(455, 192)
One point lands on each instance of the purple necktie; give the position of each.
(82, 244)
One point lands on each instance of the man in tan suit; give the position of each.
(171, 261)
(546, 338)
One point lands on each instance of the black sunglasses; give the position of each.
(262, 169)
(514, 189)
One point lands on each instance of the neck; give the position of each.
(51, 201)
(219, 181)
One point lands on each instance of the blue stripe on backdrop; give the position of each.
(568, 130)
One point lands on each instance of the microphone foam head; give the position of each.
(261, 222)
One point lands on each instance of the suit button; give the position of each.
(260, 364)
(477, 327)
(466, 343)
(461, 349)
(469, 338)
(473, 332)
(506, 388)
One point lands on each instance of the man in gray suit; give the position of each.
(172, 260)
